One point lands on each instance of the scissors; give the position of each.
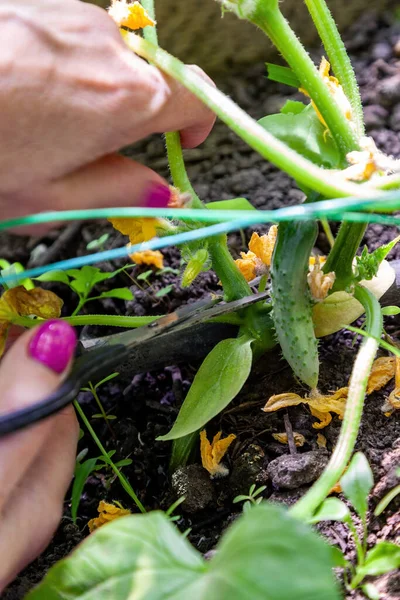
(136, 349)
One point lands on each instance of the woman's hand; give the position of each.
(36, 464)
(71, 95)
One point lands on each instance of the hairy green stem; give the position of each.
(81, 320)
(274, 24)
(247, 128)
(341, 455)
(124, 482)
(338, 57)
(340, 259)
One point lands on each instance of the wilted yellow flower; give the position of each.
(320, 405)
(107, 512)
(299, 439)
(248, 265)
(335, 90)
(258, 259)
(382, 371)
(138, 230)
(178, 199)
(321, 440)
(314, 259)
(148, 257)
(133, 16)
(394, 397)
(263, 246)
(319, 282)
(212, 454)
(19, 302)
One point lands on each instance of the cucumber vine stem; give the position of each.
(340, 258)
(276, 27)
(341, 455)
(247, 128)
(234, 284)
(338, 57)
(81, 320)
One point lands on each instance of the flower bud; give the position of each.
(197, 264)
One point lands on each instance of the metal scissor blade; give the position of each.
(109, 353)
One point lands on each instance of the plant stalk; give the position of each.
(341, 455)
(340, 258)
(338, 57)
(276, 27)
(247, 128)
(124, 482)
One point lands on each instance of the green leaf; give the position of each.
(389, 311)
(357, 482)
(219, 379)
(98, 243)
(304, 133)
(60, 276)
(233, 204)
(17, 269)
(106, 379)
(144, 557)
(292, 107)
(332, 509)
(282, 75)
(368, 263)
(338, 558)
(121, 293)
(144, 276)
(164, 291)
(82, 472)
(371, 592)
(125, 462)
(382, 558)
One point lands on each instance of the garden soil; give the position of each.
(147, 404)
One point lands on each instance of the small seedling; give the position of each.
(356, 484)
(252, 499)
(98, 244)
(82, 281)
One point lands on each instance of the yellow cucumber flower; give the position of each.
(107, 512)
(152, 258)
(212, 454)
(131, 15)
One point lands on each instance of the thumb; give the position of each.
(31, 369)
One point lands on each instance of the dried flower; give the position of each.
(335, 89)
(299, 439)
(212, 454)
(319, 282)
(179, 199)
(382, 371)
(320, 405)
(107, 512)
(19, 302)
(258, 259)
(153, 258)
(133, 16)
(321, 440)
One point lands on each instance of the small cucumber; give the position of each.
(292, 314)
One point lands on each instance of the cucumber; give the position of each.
(292, 307)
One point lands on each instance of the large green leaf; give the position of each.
(233, 204)
(266, 555)
(357, 482)
(304, 133)
(219, 379)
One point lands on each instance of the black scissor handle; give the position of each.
(86, 366)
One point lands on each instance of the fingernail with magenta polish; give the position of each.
(53, 345)
(157, 196)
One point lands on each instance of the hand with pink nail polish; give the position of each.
(36, 464)
(72, 94)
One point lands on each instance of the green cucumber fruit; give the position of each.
(292, 312)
